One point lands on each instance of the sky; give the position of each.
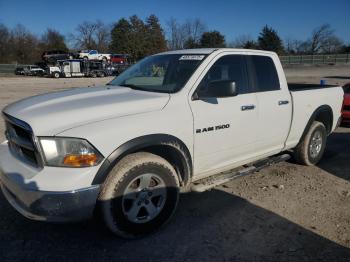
(293, 19)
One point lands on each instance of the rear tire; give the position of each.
(310, 149)
(139, 195)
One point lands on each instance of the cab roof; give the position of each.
(207, 51)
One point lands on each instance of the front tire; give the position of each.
(139, 195)
(56, 75)
(310, 149)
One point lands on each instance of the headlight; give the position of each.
(69, 152)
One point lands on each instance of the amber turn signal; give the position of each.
(85, 160)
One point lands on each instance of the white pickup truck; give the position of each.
(94, 55)
(175, 121)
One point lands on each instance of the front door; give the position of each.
(225, 128)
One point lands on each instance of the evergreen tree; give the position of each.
(138, 38)
(121, 37)
(212, 39)
(250, 44)
(191, 43)
(155, 36)
(269, 40)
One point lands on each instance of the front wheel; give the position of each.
(56, 75)
(310, 149)
(139, 195)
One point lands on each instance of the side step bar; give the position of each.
(218, 179)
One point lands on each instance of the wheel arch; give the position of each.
(167, 146)
(323, 114)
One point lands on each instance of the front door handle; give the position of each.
(283, 102)
(247, 107)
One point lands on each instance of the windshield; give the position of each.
(160, 73)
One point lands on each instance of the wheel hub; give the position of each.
(144, 198)
(316, 144)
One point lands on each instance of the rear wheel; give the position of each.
(310, 149)
(139, 195)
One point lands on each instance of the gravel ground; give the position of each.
(286, 212)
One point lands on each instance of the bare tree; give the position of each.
(4, 44)
(85, 35)
(52, 39)
(92, 35)
(294, 46)
(321, 39)
(102, 35)
(175, 35)
(186, 35)
(332, 45)
(193, 29)
(23, 45)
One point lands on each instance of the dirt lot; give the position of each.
(284, 213)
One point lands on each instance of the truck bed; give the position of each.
(307, 98)
(302, 87)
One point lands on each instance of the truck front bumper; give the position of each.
(51, 206)
(26, 189)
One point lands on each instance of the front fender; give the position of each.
(138, 144)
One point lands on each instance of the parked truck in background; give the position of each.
(176, 121)
(77, 68)
(94, 55)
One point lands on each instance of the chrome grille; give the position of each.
(21, 140)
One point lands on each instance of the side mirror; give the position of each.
(222, 88)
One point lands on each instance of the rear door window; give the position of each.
(264, 73)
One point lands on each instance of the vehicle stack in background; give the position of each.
(85, 63)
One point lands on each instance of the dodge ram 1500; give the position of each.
(175, 121)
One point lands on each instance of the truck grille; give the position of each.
(346, 108)
(21, 141)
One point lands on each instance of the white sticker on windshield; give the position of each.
(191, 57)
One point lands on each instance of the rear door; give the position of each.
(225, 128)
(273, 102)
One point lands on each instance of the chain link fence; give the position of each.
(315, 59)
(9, 68)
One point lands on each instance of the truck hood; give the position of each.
(52, 113)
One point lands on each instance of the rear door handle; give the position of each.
(283, 102)
(247, 107)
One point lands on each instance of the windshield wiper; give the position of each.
(143, 89)
(131, 86)
(135, 87)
